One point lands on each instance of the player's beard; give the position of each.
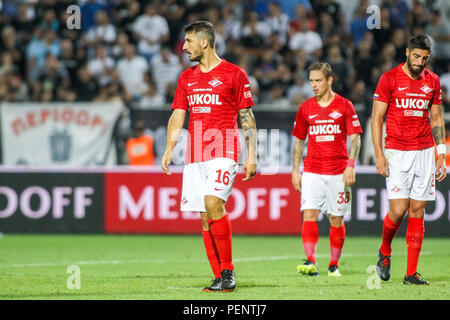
(415, 70)
(196, 58)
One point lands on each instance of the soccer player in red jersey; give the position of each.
(329, 171)
(410, 97)
(215, 92)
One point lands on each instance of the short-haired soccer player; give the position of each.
(215, 92)
(410, 97)
(329, 171)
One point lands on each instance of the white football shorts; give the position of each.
(214, 177)
(411, 174)
(326, 193)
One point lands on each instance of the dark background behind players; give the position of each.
(274, 43)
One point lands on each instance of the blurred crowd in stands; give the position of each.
(131, 50)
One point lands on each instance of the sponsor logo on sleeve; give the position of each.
(356, 123)
(247, 94)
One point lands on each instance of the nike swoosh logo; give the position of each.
(312, 117)
(218, 189)
(401, 89)
(191, 84)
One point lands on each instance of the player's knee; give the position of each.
(205, 221)
(215, 207)
(336, 221)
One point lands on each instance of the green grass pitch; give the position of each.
(175, 267)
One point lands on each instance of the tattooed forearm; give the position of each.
(297, 154)
(355, 146)
(248, 125)
(438, 134)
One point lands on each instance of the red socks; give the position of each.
(310, 238)
(337, 238)
(414, 239)
(221, 233)
(389, 230)
(211, 253)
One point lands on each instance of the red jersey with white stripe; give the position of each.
(409, 100)
(213, 99)
(327, 129)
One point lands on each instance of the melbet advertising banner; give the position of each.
(70, 134)
(147, 201)
(150, 203)
(51, 202)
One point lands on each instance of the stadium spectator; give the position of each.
(125, 14)
(103, 32)
(68, 59)
(400, 43)
(102, 66)
(23, 22)
(306, 40)
(277, 21)
(131, 69)
(439, 30)
(113, 91)
(342, 70)
(332, 8)
(289, 7)
(140, 147)
(419, 15)
(399, 12)
(43, 42)
(358, 26)
(165, 67)
(49, 21)
(301, 13)
(151, 30)
(52, 81)
(300, 91)
(89, 11)
(87, 88)
(151, 98)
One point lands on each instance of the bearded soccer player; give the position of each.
(410, 97)
(215, 92)
(329, 171)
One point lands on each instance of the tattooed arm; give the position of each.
(438, 130)
(248, 125)
(349, 176)
(297, 155)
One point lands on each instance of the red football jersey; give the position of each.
(327, 129)
(213, 99)
(407, 120)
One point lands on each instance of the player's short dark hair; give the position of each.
(322, 66)
(203, 26)
(421, 42)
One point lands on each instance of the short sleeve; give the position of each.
(384, 89)
(180, 100)
(241, 89)
(300, 125)
(351, 120)
(437, 97)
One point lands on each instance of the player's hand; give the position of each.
(165, 161)
(249, 170)
(349, 176)
(297, 180)
(382, 166)
(441, 171)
